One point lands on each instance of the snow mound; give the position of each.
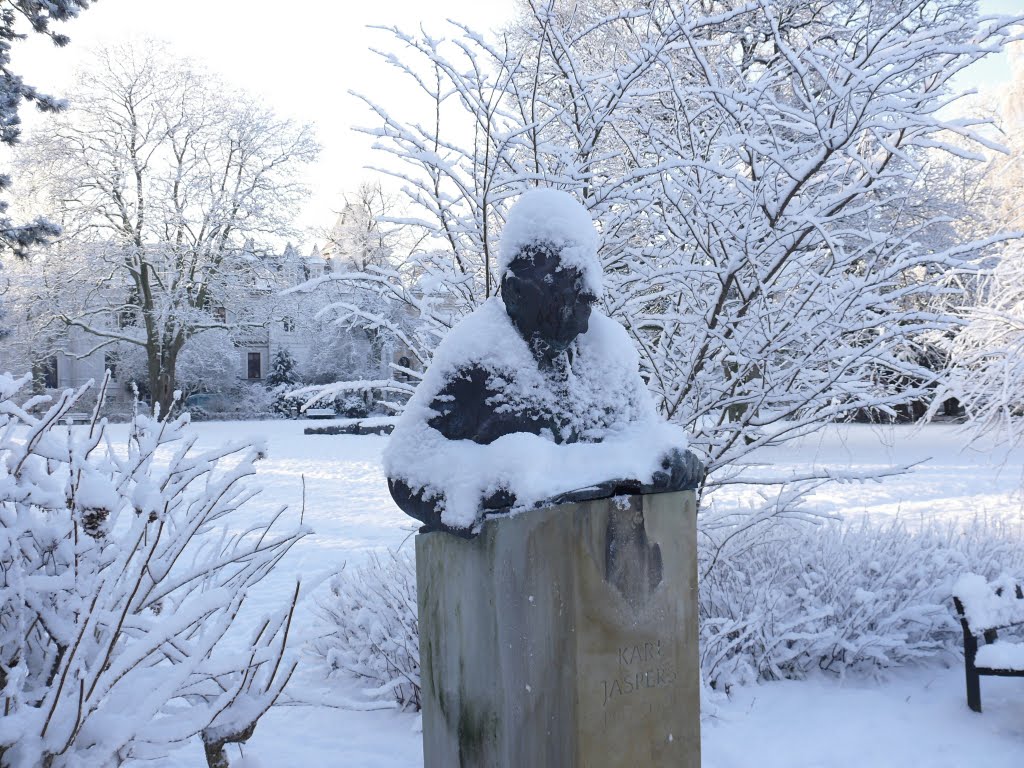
(553, 217)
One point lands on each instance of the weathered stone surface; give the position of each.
(563, 637)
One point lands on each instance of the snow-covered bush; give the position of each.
(988, 353)
(121, 575)
(245, 400)
(284, 403)
(373, 631)
(833, 597)
(282, 369)
(838, 597)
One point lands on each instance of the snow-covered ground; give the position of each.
(915, 717)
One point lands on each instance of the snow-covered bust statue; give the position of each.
(536, 397)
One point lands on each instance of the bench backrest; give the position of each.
(986, 605)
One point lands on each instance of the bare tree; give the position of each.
(365, 233)
(987, 352)
(762, 176)
(167, 183)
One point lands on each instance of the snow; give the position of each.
(553, 217)
(916, 719)
(912, 718)
(983, 608)
(95, 491)
(604, 388)
(1001, 655)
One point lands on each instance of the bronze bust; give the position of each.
(538, 362)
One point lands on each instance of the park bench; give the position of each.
(76, 417)
(380, 425)
(320, 413)
(984, 608)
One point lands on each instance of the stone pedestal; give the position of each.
(563, 637)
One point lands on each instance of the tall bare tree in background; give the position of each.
(361, 237)
(763, 176)
(988, 351)
(167, 183)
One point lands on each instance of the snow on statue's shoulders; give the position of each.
(486, 338)
(459, 473)
(608, 341)
(483, 339)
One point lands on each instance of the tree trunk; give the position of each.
(162, 379)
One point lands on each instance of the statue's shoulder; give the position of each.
(608, 341)
(484, 337)
(603, 326)
(481, 352)
(483, 341)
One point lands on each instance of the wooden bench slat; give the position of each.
(320, 413)
(985, 608)
(1001, 655)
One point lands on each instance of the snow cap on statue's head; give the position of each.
(554, 218)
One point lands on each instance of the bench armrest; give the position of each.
(985, 605)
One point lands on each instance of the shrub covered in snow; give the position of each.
(120, 577)
(284, 403)
(243, 401)
(373, 632)
(838, 597)
(833, 597)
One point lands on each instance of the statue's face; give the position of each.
(546, 304)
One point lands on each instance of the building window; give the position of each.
(254, 371)
(220, 314)
(288, 324)
(110, 364)
(49, 371)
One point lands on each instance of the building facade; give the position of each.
(298, 323)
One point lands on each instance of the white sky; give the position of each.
(302, 58)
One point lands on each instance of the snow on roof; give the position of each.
(557, 218)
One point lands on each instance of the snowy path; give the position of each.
(914, 718)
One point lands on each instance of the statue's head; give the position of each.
(549, 304)
(550, 275)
